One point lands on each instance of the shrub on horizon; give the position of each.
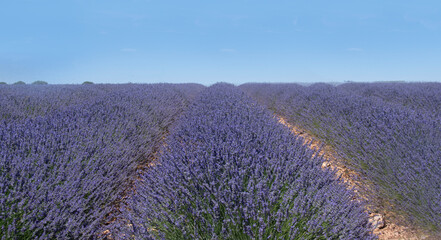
(40, 83)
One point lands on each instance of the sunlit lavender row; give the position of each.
(229, 170)
(68, 153)
(388, 132)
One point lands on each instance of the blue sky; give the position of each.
(208, 41)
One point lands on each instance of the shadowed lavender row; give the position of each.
(67, 153)
(388, 132)
(229, 170)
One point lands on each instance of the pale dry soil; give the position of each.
(386, 226)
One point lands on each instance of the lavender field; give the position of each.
(185, 161)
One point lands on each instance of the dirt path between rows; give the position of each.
(385, 226)
(147, 162)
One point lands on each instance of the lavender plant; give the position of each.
(229, 170)
(393, 140)
(68, 153)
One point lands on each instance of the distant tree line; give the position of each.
(39, 82)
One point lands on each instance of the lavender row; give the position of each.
(424, 97)
(395, 146)
(68, 153)
(19, 102)
(229, 170)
